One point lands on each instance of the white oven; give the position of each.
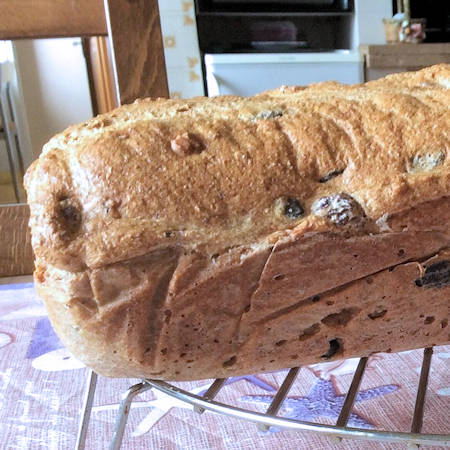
(250, 73)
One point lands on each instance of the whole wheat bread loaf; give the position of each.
(186, 239)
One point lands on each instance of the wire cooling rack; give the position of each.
(339, 431)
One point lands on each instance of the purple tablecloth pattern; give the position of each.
(42, 387)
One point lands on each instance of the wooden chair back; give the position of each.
(134, 32)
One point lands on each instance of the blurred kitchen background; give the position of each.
(213, 47)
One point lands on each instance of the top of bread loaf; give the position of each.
(210, 174)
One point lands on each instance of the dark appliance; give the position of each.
(226, 26)
(437, 15)
(272, 5)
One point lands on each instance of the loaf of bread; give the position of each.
(188, 239)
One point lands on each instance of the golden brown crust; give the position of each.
(166, 225)
(129, 186)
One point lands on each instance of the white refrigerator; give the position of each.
(250, 73)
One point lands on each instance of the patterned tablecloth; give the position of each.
(42, 386)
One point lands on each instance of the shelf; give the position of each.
(405, 55)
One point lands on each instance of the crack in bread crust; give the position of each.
(310, 300)
(248, 307)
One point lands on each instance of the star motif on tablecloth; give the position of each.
(252, 379)
(322, 401)
(163, 403)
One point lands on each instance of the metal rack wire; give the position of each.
(414, 439)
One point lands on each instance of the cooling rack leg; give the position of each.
(280, 396)
(87, 408)
(351, 394)
(124, 411)
(211, 393)
(350, 398)
(417, 421)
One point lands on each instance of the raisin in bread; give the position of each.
(186, 239)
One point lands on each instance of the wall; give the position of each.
(179, 30)
(8, 74)
(52, 74)
(368, 27)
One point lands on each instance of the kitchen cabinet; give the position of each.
(381, 60)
